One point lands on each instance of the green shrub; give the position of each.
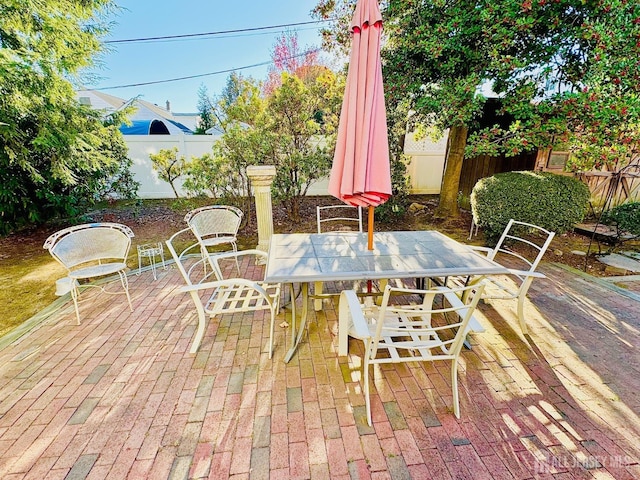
(554, 202)
(626, 217)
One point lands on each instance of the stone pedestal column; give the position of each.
(261, 177)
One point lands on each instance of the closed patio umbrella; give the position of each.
(360, 174)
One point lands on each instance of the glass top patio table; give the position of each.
(304, 258)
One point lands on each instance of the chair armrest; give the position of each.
(229, 296)
(480, 249)
(178, 256)
(351, 320)
(226, 283)
(239, 253)
(214, 258)
(526, 273)
(455, 301)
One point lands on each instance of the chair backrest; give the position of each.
(214, 220)
(91, 242)
(536, 242)
(339, 218)
(434, 328)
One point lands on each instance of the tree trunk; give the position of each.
(175, 192)
(448, 205)
(294, 209)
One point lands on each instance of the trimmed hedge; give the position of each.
(555, 202)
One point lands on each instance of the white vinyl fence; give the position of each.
(141, 146)
(425, 168)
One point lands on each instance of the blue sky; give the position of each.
(131, 63)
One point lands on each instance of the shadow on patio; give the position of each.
(120, 396)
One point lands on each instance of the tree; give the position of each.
(169, 166)
(114, 180)
(203, 176)
(240, 114)
(293, 129)
(302, 121)
(579, 86)
(564, 70)
(338, 13)
(233, 88)
(205, 111)
(436, 57)
(50, 143)
(289, 58)
(290, 123)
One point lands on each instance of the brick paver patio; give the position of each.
(120, 396)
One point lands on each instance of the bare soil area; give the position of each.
(157, 220)
(28, 273)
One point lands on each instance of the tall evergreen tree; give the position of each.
(49, 142)
(205, 110)
(233, 88)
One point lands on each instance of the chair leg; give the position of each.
(235, 249)
(271, 329)
(522, 295)
(164, 265)
(278, 303)
(367, 399)
(382, 284)
(152, 261)
(125, 285)
(344, 323)
(74, 296)
(454, 387)
(202, 321)
(523, 324)
(317, 290)
(205, 254)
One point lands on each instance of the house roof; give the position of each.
(100, 100)
(144, 111)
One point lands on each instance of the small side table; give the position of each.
(151, 251)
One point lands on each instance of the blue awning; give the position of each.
(152, 127)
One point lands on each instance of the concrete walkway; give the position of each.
(120, 396)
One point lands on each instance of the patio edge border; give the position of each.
(608, 284)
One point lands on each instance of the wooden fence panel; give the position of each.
(473, 169)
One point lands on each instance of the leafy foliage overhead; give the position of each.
(565, 70)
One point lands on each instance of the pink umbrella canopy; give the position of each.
(360, 174)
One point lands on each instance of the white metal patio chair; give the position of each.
(335, 219)
(432, 330)
(339, 218)
(215, 225)
(215, 295)
(90, 251)
(522, 266)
